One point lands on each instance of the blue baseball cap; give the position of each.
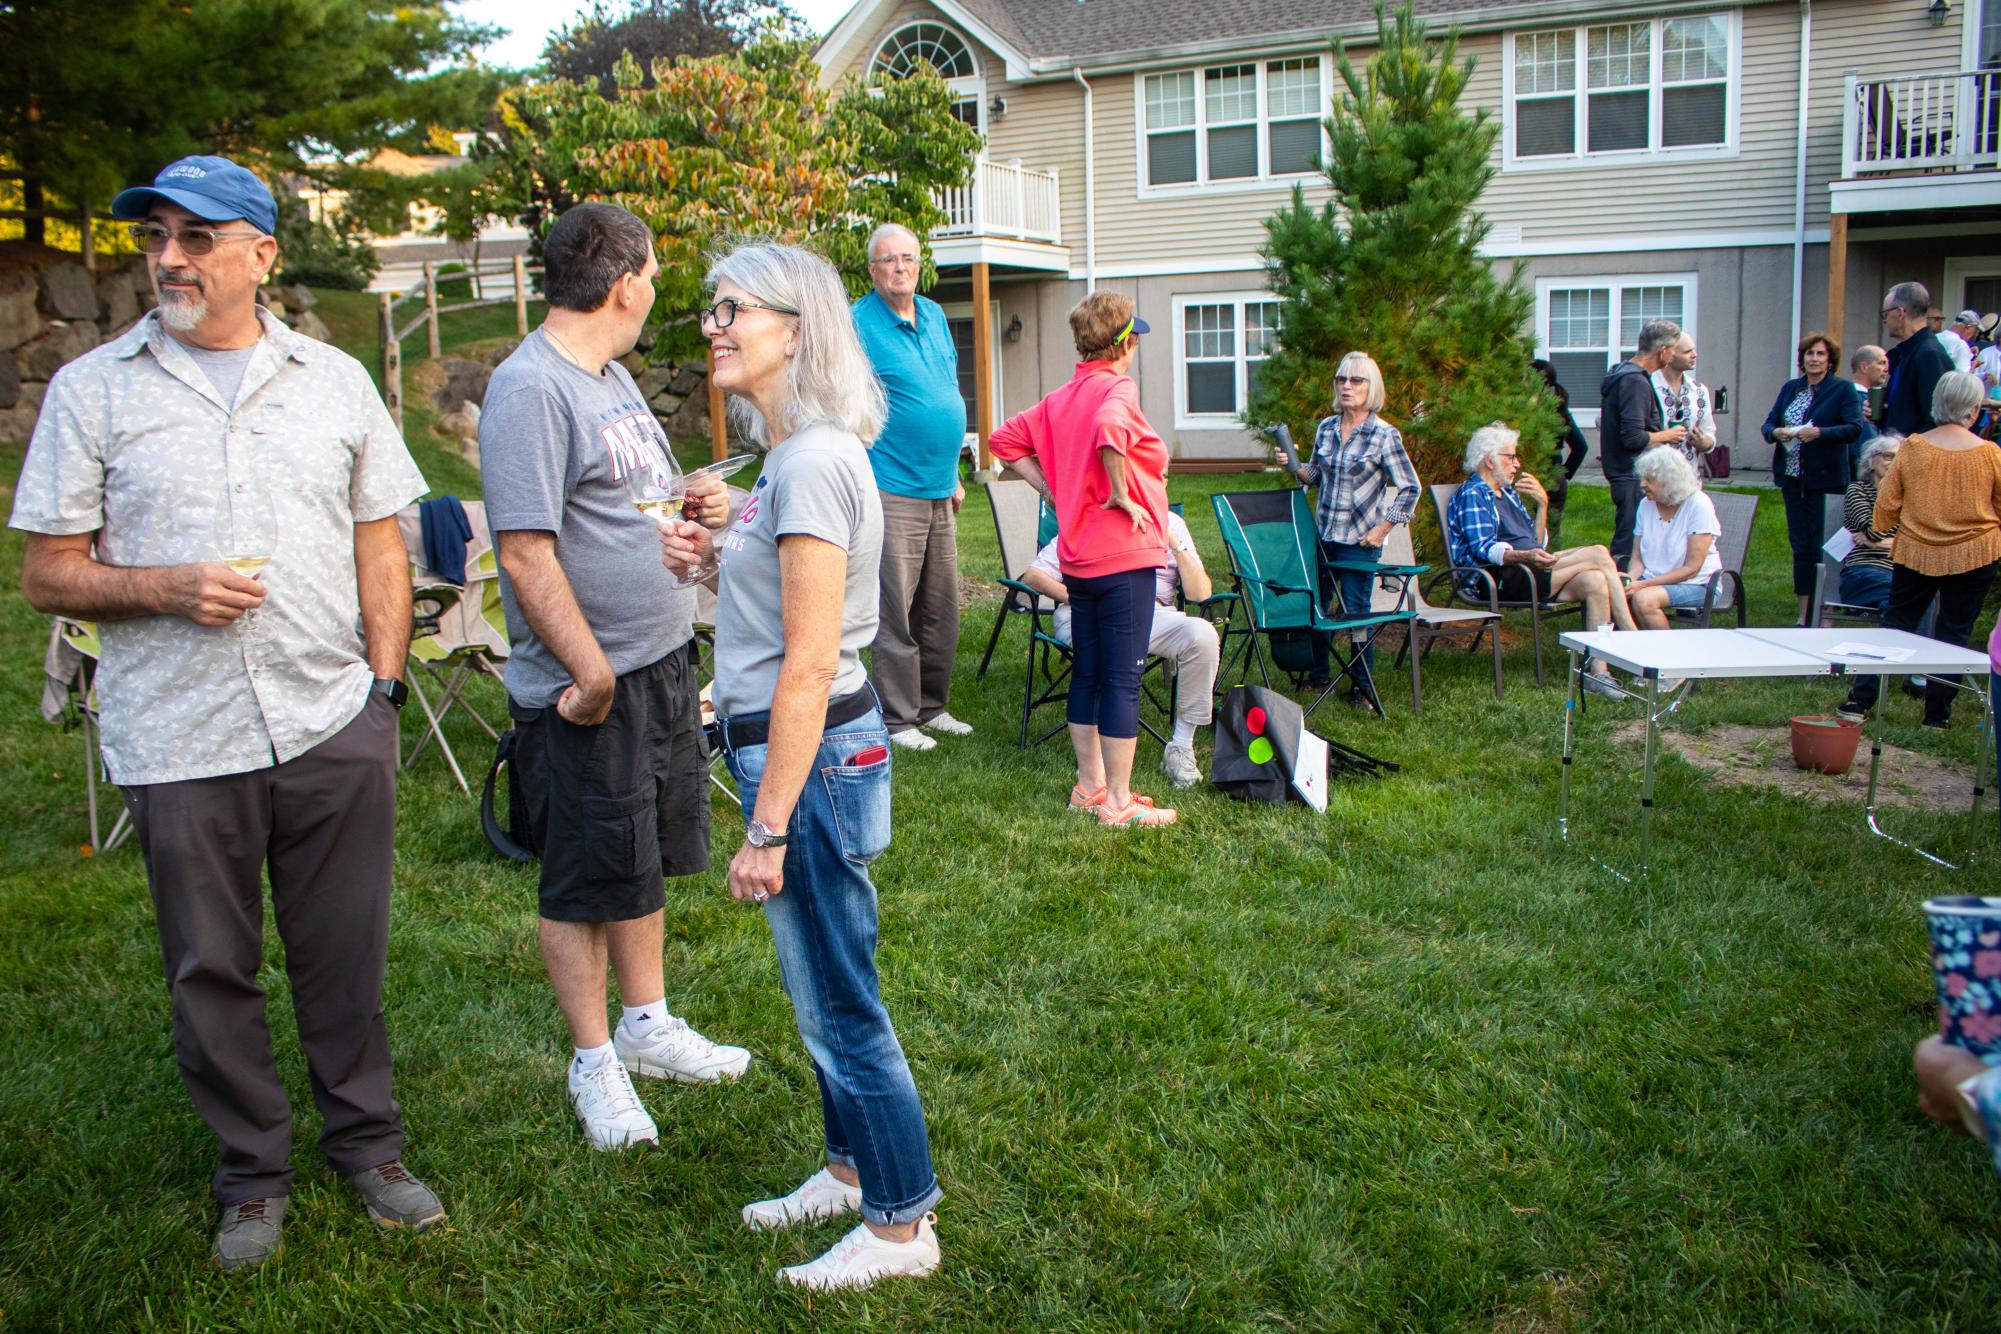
(214, 189)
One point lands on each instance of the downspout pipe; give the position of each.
(1090, 183)
(1799, 178)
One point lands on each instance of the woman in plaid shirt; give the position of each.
(1367, 487)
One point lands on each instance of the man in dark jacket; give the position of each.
(1629, 421)
(1916, 361)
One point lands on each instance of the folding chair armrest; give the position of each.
(1481, 572)
(1223, 602)
(1272, 584)
(1016, 586)
(1373, 567)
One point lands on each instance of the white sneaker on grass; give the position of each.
(1601, 683)
(859, 1259)
(1178, 763)
(949, 725)
(675, 1051)
(822, 1195)
(610, 1111)
(912, 739)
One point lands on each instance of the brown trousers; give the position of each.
(325, 823)
(917, 638)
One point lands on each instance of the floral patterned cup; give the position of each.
(1966, 964)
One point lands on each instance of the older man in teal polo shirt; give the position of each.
(916, 463)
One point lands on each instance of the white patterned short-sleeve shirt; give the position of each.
(135, 445)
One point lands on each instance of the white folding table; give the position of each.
(1651, 655)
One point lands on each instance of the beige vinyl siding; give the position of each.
(1191, 226)
(1876, 41)
(1044, 128)
(1751, 191)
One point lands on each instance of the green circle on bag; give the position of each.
(1259, 751)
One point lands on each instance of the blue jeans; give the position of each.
(1688, 593)
(823, 923)
(1357, 588)
(1865, 585)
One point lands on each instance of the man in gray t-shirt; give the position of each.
(602, 672)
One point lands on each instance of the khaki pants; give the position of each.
(917, 639)
(1192, 649)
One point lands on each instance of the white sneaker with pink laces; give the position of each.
(859, 1259)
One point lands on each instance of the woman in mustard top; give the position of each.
(1945, 491)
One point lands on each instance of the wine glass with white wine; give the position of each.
(663, 500)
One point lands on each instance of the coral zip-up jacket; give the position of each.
(1098, 409)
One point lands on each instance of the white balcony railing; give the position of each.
(1921, 122)
(1004, 199)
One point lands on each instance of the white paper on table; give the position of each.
(1838, 546)
(1309, 770)
(1873, 652)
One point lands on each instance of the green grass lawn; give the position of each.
(1408, 1064)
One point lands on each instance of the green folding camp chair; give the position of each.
(1275, 561)
(70, 666)
(457, 634)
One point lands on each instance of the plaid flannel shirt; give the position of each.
(1356, 476)
(1473, 525)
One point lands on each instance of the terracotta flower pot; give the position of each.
(1825, 744)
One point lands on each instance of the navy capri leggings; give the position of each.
(1111, 620)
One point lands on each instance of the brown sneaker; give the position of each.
(251, 1233)
(397, 1199)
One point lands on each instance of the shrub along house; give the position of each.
(1697, 161)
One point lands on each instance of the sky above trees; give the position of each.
(529, 22)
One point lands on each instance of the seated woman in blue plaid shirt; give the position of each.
(1367, 487)
(1488, 527)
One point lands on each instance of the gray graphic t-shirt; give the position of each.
(819, 484)
(556, 444)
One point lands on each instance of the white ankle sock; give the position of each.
(1184, 733)
(590, 1058)
(643, 1019)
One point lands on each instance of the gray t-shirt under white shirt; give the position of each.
(224, 368)
(556, 444)
(818, 484)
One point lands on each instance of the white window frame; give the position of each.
(1185, 420)
(1580, 91)
(1202, 185)
(1585, 415)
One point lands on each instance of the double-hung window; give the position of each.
(1619, 90)
(1586, 326)
(1221, 340)
(1231, 123)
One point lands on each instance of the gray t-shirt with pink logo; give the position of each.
(556, 444)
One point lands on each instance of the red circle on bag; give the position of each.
(1255, 720)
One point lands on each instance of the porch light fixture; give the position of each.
(998, 107)
(1936, 13)
(1013, 331)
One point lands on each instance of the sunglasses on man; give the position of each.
(194, 241)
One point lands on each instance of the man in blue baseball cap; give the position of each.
(219, 494)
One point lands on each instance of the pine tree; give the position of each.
(1391, 266)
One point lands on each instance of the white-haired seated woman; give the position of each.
(797, 597)
(1674, 540)
(1865, 570)
(1488, 527)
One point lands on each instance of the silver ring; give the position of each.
(759, 895)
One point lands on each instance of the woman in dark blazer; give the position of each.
(1812, 422)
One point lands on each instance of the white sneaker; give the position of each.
(1178, 763)
(912, 739)
(822, 1195)
(676, 1051)
(949, 725)
(1601, 683)
(609, 1109)
(860, 1258)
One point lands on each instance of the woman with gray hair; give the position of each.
(1865, 570)
(1674, 547)
(1367, 487)
(797, 595)
(1944, 489)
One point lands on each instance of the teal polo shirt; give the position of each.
(917, 454)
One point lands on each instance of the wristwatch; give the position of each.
(392, 689)
(761, 835)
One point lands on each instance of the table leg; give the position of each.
(1979, 780)
(1570, 703)
(1647, 774)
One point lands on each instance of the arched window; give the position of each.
(933, 43)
